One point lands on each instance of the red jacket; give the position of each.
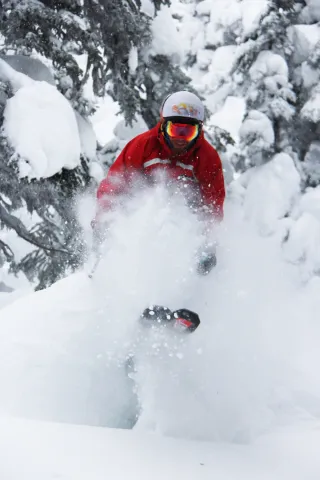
(148, 152)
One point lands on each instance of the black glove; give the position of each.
(206, 262)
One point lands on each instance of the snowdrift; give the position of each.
(47, 451)
(250, 367)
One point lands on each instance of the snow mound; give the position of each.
(64, 351)
(42, 450)
(55, 359)
(42, 128)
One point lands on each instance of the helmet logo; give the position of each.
(186, 109)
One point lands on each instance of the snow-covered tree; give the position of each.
(116, 41)
(305, 35)
(30, 179)
(266, 53)
(43, 165)
(57, 31)
(138, 75)
(262, 74)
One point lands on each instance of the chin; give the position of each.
(180, 148)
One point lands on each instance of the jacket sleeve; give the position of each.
(128, 163)
(210, 177)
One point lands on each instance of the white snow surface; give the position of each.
(240, 397)
(42, 128)
(249, 368)
(246, 380)
(80, 452)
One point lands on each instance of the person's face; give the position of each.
(181, 134)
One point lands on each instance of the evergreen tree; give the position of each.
(263, 76)
(136, 78)
(57, 31)
(306, 75)
(56, 235)
(116, 38)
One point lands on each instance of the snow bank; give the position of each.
(40, 450)
(64, 350)
(54, 357)
(271, 192)
(42, 128)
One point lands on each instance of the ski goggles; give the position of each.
(185, 131)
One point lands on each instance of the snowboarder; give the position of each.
(177, 147)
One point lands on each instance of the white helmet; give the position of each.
(183, 104)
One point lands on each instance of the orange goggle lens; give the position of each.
(186, 131)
